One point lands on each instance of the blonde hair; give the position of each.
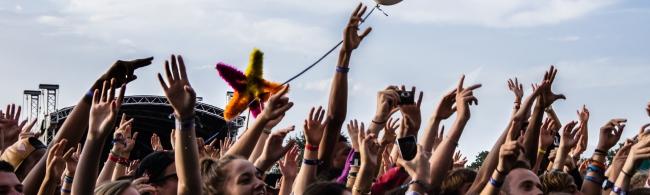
(113, 188)
(214, 175)
(556, 181)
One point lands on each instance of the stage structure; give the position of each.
(153, 114)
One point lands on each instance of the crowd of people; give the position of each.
(367, 160)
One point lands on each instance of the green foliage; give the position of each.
(480, 157)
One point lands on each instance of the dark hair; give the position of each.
(113, 188)
(456, 179)
(6, 167)
(639, 191)
(325, 188)
(154, 165)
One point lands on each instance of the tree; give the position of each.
(480, 157)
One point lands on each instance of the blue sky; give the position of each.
(600, 47)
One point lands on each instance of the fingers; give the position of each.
(459, 88)
(174, 66)
(69, 153)
(181, 67)
(162, 82)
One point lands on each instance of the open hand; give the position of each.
(547, 95)
(123, 141)
(277, 105)
(155, 143)
(179, 92)
(104, 108)
(289, 164)
(464, 98)
(351, 37)
(446, 106)
(123, 71)
(389, 131)
(273, 149)
(73, 160)
(610, 133)
(353, 131)
(546, 133)
(516, 88)
(315, 125)
(570, 135)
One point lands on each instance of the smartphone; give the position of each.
(356, 159)
(407, 147)
(406, 97)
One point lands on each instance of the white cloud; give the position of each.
(565, 38)
(51, 20)
(497, 13)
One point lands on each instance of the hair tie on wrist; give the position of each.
(184, 123)
(342, 69)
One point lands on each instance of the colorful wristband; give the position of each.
(63, 190)
(314, 162)
(311, 147)
(67, 179)
(495, 183)
(342, 69)
(113, 158)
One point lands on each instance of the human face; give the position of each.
(242, 178)
(341, 155)
(9, 184)
(170, 184)
(523, 181)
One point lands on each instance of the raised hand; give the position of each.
(211, 150)
(459, 160)
(353, 131)
(273, 122)
(547, 95)
(225, 144)
(418, 168)
(639, 151)
(570, 135)
(277, 105)
(583, 114)
(411, 115)
(446, 106)
(9, 126)
(56, 160)
(273, 149)
(71, 163)
(123, 71)
(387, 103)
(464, 98)
(104, 108)
(123, 142)
(26, 131)
(179, 92)
(610, 133)
(155, 143)
(546, 133)
(315, 125)
(389, 133)
(438, 139)
(289, 164)
(516, 88)
(351, 38)
(368, 147)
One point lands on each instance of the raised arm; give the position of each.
(102, 118)
(55, 167)
(583, 115)
(313, 131)
(276, 107)
(568, 140)
(75, 124)
(610, 133)
(490, 162)
(273, 149)
(182, 98)
(338, 99)
(546, 98)
(639, 152)
(444, 110)
(259, 146)
(289, 169)
(440, 158)
(124, 143)
(508, 153)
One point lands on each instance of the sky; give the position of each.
(599, 46)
